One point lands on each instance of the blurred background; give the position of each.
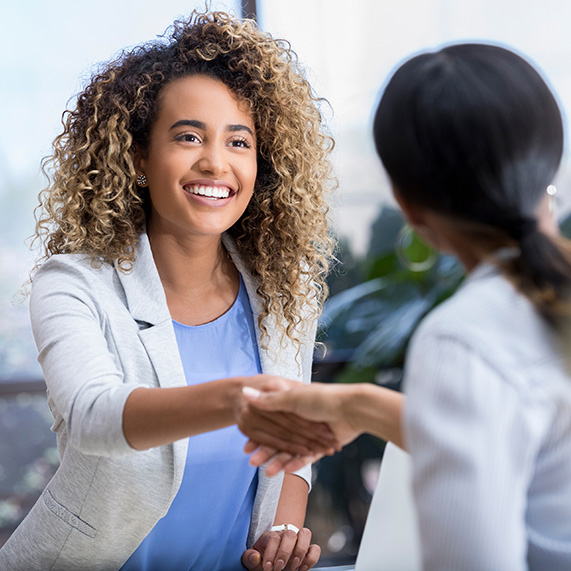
(48, 50)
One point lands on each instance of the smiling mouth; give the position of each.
(212, 192)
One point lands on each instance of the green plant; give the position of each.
(367, 327)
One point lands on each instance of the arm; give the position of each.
(473, 443)
(157, 416)
(106, 413)
(286, 549)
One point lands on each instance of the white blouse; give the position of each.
(488, 425)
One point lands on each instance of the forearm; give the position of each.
(156, 416)
(292, 504)
(376, 410)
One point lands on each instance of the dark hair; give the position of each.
(473, 132)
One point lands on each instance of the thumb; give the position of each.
(251, 559)
(265, 401)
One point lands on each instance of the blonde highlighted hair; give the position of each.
(94, 206)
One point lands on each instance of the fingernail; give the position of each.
(251, 392)
(268, 566)
(254, 558)
(295, 562)
(304, 568)
(280, 564)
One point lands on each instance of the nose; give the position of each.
(213, 158)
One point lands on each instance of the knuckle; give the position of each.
(290, 534)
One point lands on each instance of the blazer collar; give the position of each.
(147, 303)
(143, 289)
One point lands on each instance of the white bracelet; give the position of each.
(285, 527)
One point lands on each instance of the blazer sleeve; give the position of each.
(84, 380)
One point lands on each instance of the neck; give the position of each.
(189, 264)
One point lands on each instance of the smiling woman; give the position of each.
(185, 250)
(201, 162)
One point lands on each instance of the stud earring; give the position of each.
(142, 180)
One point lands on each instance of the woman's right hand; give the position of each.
(317, 402)
(281, 430)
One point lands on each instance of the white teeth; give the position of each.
(209, 191)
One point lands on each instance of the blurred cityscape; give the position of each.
(348, 50)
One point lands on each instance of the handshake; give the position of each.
(290, 425)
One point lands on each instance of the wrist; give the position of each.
(233, 397)
(352, 405)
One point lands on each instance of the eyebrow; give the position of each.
(201, 125)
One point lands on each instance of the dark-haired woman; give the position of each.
(471, 138)
(185, 248)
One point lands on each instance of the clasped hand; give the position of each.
(281, 430)
(282, 550)
(319, 404)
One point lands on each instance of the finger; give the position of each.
(298, 462)
(314, 430)
(277, 443)
(285, 549)
(264, 454)
(273, 542)
(300, 430)
(277, 400)
(255, 424)
(252, 560)
(284, 435)
(312, 557)
(251, 446)
(301, 548)
(277, 463)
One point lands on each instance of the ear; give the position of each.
(414, 214)
(138, 159)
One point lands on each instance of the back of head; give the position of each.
(473, 132)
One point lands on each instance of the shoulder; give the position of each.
(71, 275)
(490, 318)
(486, 340)
(73, 266)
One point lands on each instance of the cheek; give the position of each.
(252, 173)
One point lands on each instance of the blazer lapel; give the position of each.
(147, 304)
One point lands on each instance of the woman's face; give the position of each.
(201, 162)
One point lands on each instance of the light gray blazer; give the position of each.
(102, 333)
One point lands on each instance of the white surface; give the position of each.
(390, 540)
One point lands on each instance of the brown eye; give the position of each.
(241, 143)
(187, 138)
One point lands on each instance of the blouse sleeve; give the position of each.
(473, 437)
(83, 378)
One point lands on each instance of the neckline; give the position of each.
(221, 317)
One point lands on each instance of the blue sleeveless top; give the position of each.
(207, 524)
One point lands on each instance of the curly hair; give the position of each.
(94, 206)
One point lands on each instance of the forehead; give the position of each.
(201, 97)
